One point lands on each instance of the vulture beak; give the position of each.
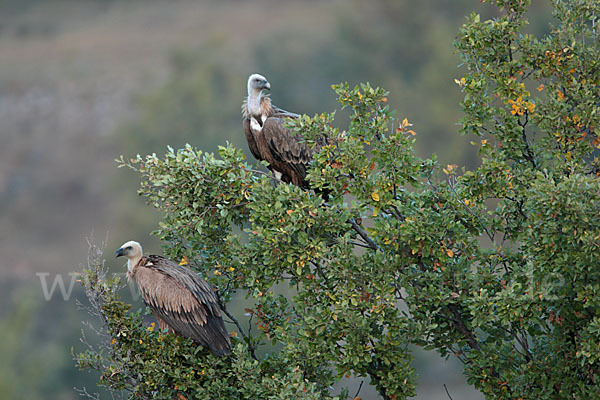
(267, 85)
(120, 252)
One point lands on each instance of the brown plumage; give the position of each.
(180, 300)
(270, 140)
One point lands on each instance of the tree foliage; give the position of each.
(494, 266)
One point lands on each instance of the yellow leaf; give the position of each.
(450, 253)
(184, 261)
(450, 168)
(375, 196)
(460, 82)
(334, 317)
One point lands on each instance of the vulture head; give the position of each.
(256, 84)
(132, 250)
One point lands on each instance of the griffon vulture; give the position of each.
(181, 302)
(269, 139)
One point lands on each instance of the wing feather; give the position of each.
(280, 113)
(181, 299)
(288, 149)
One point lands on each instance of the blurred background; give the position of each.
(84, 81)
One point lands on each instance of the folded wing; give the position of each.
(183, 301)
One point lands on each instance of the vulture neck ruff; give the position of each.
(257, 105)
(132, 263)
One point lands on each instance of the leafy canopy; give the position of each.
(495, 266)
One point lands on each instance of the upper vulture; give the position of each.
(181, 301)
(270, 140)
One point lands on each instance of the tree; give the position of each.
(495, 266)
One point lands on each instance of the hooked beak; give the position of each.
(267, 86)
(120, 252)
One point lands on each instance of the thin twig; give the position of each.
(359, 244)
(272, 176)
(448, 393)
(236, 322)
(84, 393)
(359, 387)
(466, 207)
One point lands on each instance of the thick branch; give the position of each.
(363, 234)
(459, 324)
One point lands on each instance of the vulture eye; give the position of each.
(128, 248)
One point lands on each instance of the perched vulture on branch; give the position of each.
(269, 140)
(181, 302)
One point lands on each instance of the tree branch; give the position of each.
(528, 153)
(359, 388)
(363, 234)
(459, 324)
(466, 207)
(237, 324)
(448, 393)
